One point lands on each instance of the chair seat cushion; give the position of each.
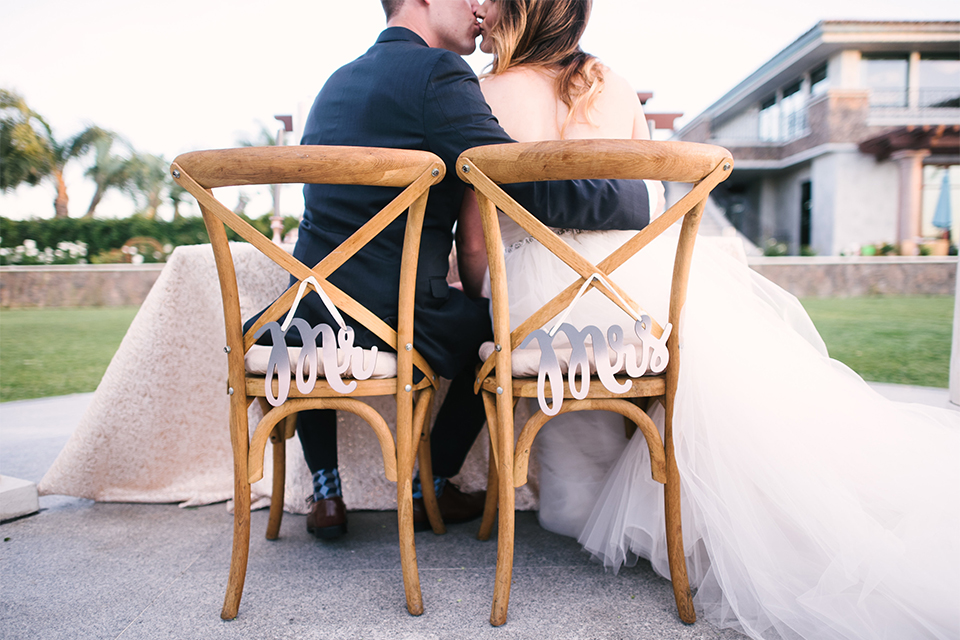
(526, 362)
(257, 358)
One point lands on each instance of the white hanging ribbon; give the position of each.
(308, 361)
(327, 302)
(583, 289)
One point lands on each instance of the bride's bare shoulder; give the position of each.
(618, 103)
(615, 81)
(527, 81)
(524, 101)
(618, 89)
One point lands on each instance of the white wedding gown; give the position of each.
(812, 506)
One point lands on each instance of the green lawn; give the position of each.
(904, 340)
(52, 352)
(49, 352)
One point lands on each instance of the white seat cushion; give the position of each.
(257, 358)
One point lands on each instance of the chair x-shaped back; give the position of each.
(488, 167)
(413, 173)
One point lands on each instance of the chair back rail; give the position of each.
(305, 164)
(597, 159)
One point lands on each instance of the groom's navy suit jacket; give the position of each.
(403, 94)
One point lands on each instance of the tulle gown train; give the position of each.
(812, 506)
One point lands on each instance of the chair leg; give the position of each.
(426, 485)
(490, 505)
(493, 492)
(279, 442)
(408, 551)
(675, 556)
(241, 545)
(406, 453)
(505, 530)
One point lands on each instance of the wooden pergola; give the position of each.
(911, 147)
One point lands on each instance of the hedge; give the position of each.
(103, 235)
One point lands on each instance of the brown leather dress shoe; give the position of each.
(327, 518)
(455, 507)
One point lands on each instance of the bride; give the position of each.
(812, 506)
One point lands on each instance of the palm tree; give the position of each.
(176, 195)
(24, 152)
(263, 139)
(109, 171)
(62, 152)
(29, 151)
(242, 201)
(148, 177)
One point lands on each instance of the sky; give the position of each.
(182, 75)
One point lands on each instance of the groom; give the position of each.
(411, 90)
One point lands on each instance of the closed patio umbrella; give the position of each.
(942, 215)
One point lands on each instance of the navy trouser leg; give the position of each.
(459, 421)
(317, 429)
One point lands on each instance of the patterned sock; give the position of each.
(326, 484)
(438, 485)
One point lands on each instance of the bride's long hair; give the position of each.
(547, 33)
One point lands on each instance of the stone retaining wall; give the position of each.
(832, 277)
(83, 285)
(818, 277)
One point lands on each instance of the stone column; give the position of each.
(913, 81)
(910, 167)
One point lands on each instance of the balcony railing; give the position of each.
(763, 131)
(923, 99)
(771, 129)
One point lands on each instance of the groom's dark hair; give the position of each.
(390, 7)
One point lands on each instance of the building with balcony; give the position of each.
(848, 137)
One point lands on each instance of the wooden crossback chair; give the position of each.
(414, 172)
(486, 168)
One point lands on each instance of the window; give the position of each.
(886, 77)
(785, 119)
(770, 119)
(818, 80)
(939, 80)
(793, 112)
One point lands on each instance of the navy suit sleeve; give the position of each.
(458, 119)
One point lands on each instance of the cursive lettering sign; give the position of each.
(653, 356)
(308, 364)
